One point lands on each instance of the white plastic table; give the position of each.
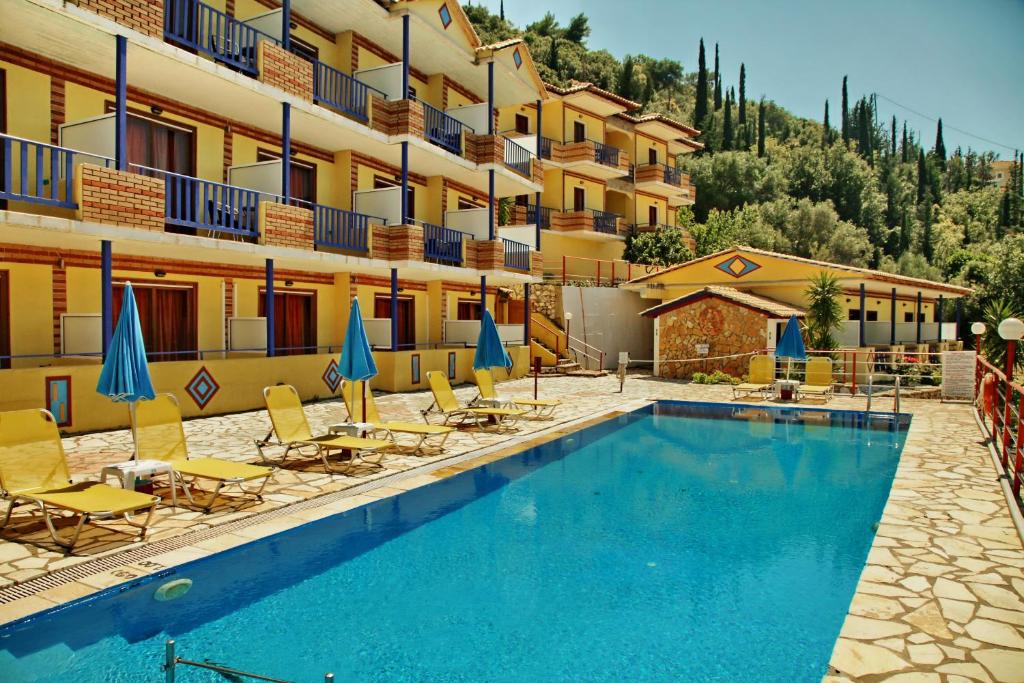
(791, 384)
(351, 428)
(128, 471)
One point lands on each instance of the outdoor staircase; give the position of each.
(557, 351)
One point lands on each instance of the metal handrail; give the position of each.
(442, 129)
(52, 167)
(340, 91)
(172, 661)
(896, 398)
(201, 27)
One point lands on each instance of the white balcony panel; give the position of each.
(472, 115)
(267, 22)
(468, 331)
(263, 176)
(385, 202)
(473, 221)
(378, 332)
(524, 140)
(386, 78)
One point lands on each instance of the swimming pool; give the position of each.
(679, 542)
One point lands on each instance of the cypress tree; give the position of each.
(940, 146)
(864, 131)
(922, 177)
(741, 113)
(826, 134)
(501, 10)
(904, 150)
(718, 82)
(927, 248)
(553, 54)
(700, 108)
(627, 82)
(846, 115)
(760, 129)
(892, 144)
(727, 132)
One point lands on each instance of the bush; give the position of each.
(716, 377)
(700, 378)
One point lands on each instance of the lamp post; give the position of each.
(978, 329)
(1011, 329)
(568, 319)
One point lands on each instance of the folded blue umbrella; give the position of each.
(490, 352)
(357, 364)
(792, 343)
(125, 374)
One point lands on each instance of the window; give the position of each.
(406, 317)
(854, 314)
(468, 204)
(167, 315)
(579, 131)
(871, 316)
(652, 215)
(311, 53)
(522, 124)
(652, 156)
(294, 320)
(158, 144)
(5, 318)
(301, 175)
(468, 309)
(908, 317)
(579, 199)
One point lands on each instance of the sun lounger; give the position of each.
(541, 407)
(354, 404)
(292, 431)
(817, 379)
(160, 435)
(33, 470)
(448, 406)
(760, 380)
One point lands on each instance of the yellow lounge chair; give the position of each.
(293, 433)
(543, 407)
(354, 406)
(160, 435)
(33, 469)
(446, 404)
(761, 377)
(817, 379)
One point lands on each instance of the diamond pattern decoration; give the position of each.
(202, 387)
(446, 15)
(331, 376)
(738, 266)
(517, 58)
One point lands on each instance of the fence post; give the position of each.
(1007, 399)
(1019, 462)
(599, 273)
(613, 273)
(169, 661)
(853, 391)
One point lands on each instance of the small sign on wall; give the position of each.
(58, 399)
(702, 349)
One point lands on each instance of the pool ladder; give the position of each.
(172, 662)
(895, 398)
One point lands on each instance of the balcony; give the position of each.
(880, 333)
(594, 158)
(663, 179)
(41, 174)
(443, 130)
(525, 214)
(651, 227)
(443, 245)
(589, 223)
(194, 25)
(517, 255)
(343, 93)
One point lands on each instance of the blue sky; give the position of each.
(958, 59)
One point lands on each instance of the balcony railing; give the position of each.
(208, 205)
(605, 221)
(517, 255)
(670, 175)
(518, 158)
(341, 229)
(545, 147)
(195, 25)
(531, 215)
(442, 129)
(441, 244)
(39, 173)
(605, 154)
(340, 91)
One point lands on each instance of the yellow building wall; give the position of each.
(644, 144)
(594, 124)
(31, 310)
(594, 192)
(556, 245)
(245, 150)
(551, 120)
(507, 117)
(642, 206)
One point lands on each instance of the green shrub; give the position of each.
(700, 378)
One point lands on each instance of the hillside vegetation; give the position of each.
(849, 189)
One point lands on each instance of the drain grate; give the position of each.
(143, 552)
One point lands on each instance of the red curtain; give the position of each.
(167, 318)
(294, 323)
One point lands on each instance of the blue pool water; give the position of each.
(681, 542)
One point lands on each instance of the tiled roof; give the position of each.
(689, 130)
(771, 307)
(578, 86)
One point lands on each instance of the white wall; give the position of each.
(387, 79)
(609, 318)
(473, 221)
(527, 141)
(385, 202)
(268, 22)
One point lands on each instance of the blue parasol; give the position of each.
(125, 374)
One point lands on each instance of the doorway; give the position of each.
(579, 199)
(579, 131)
(406, 317)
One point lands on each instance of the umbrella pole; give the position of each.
(363, 395)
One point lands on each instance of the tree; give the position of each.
(922, 177)
(760, 129)
(501, 10)
(826, 133)
(577, 30)
(904, 148)
(727, 132)
(553, 55)
(627, 79)
(700, 105)
(892, 143)
(940, 146)
(718, 82)
(662, 247)
(547, 26)
(846, 115)
(824, 313)
(741, 113)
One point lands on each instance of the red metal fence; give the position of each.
(1001, 404)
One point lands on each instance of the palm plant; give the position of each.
(824, 314)
(993, 347)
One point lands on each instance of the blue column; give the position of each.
(394, 309)
(405, 56)
(959, 315)
(106, 294)
(863, 315)
(490, 204)
(121, 104)
(268, 305)
(405, 183)
(483, 295)
(526, 314)
(540, 139)
(490, 97)
(286, 148)
(892, 319)
(917, 317)
(938, 315)
(286, 24)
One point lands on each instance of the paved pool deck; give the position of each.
(940, 599)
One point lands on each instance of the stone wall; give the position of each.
(546, 300)
(105, 195)
(285, 70)
(725, 327)
(145, 16)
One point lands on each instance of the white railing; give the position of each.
(879, 333)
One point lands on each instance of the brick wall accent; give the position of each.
(649, 174)
(725, 327)
(56, 108)
(470, 254)
(624, 161)
(145, 16)
(60, 302)
(406, 242)
(105, 195)
(490, 254)
(284, 70)
(229, 303)
(380, 247)
(536, 264)
(565, 221)
(399, 117)
(538, 171)
(573, 151)
(485, 149)
(286, 226)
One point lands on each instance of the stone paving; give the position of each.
(940, 599)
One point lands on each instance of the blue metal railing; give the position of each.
(442, 129)
(518, 158)
(531, 215)
(545, 147)
(208, 205)
(605, 154)
(605, 221)
(442, 244)
(341, 229)
(340, 91)
(517, 255)
(39, 173)
(196, 25)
